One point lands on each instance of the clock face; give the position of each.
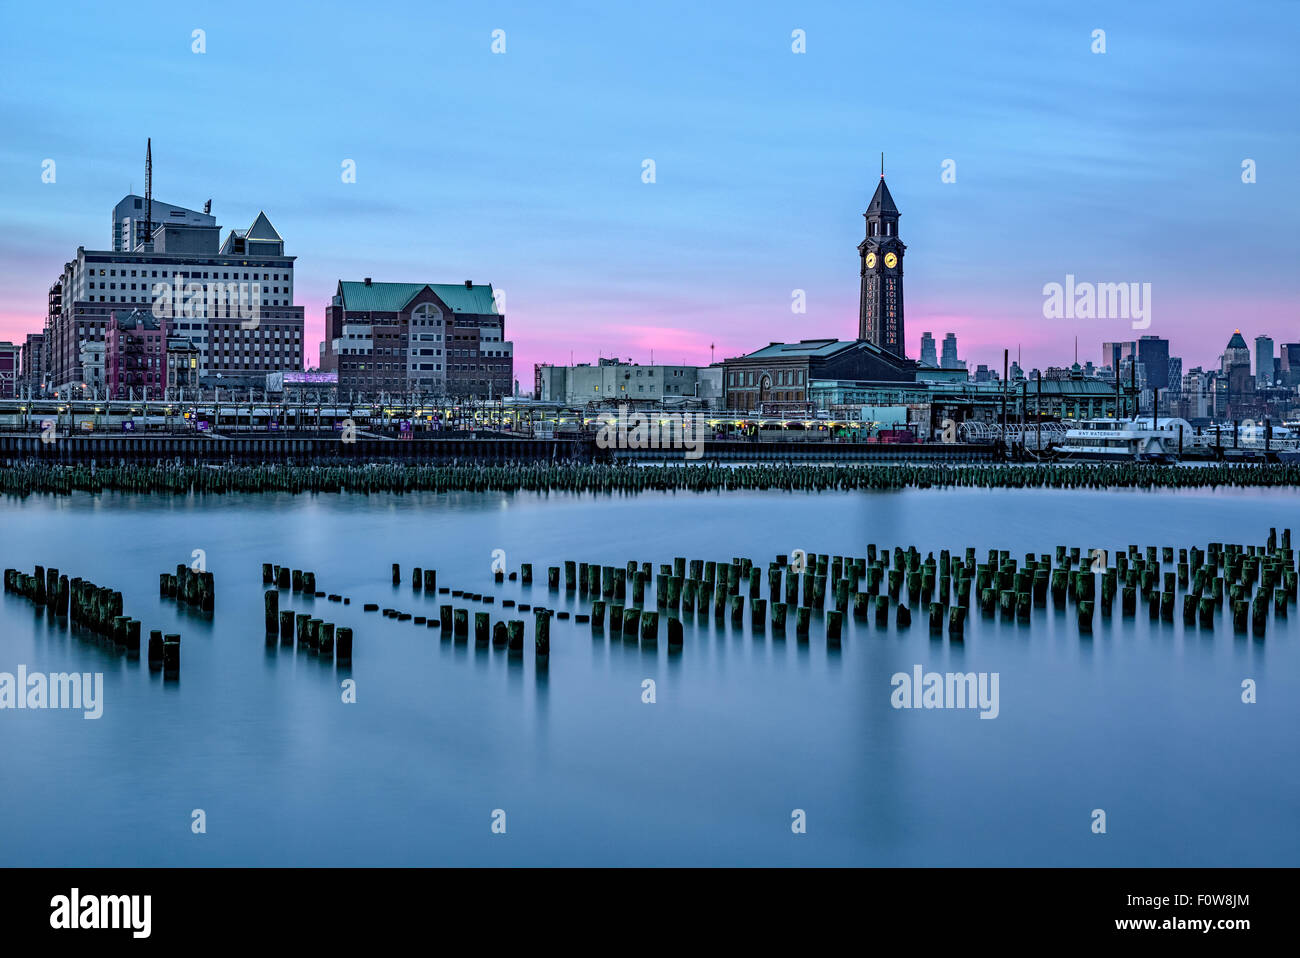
(871, 261)
(891, 260)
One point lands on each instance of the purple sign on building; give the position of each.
(128, 425)
(293, 378)
(201, 425)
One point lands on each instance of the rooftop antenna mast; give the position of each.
(148, 194)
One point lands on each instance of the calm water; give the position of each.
(1142, 720)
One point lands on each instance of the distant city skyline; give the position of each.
(525, 169)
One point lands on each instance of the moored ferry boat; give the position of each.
(1139, 439)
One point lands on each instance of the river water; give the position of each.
(1143, 720)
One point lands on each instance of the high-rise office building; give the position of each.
(232, 299)
(928, 356)
(1235, 354)
(950, 360)
(1153, 354)
(1175, 386)
(1263, 361)
(1289, 364)
(1112, 354)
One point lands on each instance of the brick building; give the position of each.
(33, 365)
(135, 355)
(417, 339)
(232, 299)
(9, 369)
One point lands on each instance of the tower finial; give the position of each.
(882, 164)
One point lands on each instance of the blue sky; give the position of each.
(523, 169)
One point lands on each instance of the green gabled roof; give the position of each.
(393, 297)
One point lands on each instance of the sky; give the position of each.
(526, 168)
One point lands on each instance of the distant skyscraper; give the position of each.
(927, 350)
(950, 360)
(1175, 386)
(1236, 354)
(1289, 364)
(1263, 361)
(1153, 354)
(1236, 372)
(1113, 353)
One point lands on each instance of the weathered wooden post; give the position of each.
(171, 656)
(272, 602)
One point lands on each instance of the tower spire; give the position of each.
(882, 164)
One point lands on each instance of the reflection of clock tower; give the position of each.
(880, 314)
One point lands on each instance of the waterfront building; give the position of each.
(135, 355)
(418, 339)
(182, 359)
(232, 299)
(930, 403)
(32, 376)
(776, 377)
(10, 360)
(89, 382)
(612, 381)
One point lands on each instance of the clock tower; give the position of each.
(880, 313)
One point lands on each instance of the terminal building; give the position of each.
(611, 381)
